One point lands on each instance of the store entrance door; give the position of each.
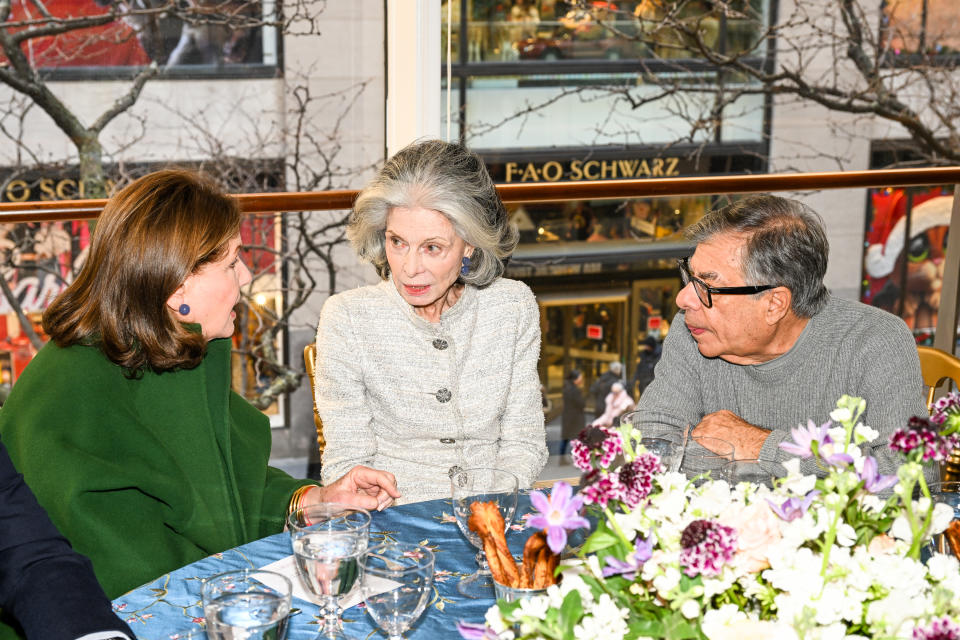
(581, 330)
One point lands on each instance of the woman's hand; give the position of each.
(361, 487)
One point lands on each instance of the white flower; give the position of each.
(606, 621)
(716, 621)
(711, 499)
(797, 483)
(690, 609)
(573, 582)
(667, 581)
(841, 414)
(535, 607)
(846, 535)
(942, 565)
(862, 433)
(495, 621)
(942, 517)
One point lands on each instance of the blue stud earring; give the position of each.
(465, 269)
(184, 309)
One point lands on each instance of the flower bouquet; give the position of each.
(841, 554)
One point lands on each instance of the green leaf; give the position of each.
(599, 540)
(571, 611)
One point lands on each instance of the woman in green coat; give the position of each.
(125, 426)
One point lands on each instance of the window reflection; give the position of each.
(640, 219)
(499, 31)
(922, 26)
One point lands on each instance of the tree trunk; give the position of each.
(92, 183)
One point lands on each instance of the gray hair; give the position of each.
(444, 177)
(616, 367)
(786, 246)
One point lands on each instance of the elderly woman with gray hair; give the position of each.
(434, 368)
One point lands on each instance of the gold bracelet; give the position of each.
(296, 500)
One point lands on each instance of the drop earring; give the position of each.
(465, 268)
(184, 309)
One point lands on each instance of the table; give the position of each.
(171, 603)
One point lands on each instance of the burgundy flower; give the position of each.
(921, 438)
(942, 629)
(636, 478)
(600, 487)
(707, 546)
(943, 407)
(600, 443)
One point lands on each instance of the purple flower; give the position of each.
(873, 481)
(707, 546)
(557, 514)
(599, 487)
(636, 478)
(942, 629)
(803, 437)
(944, 407)
(793, 508)
(628, 568)
(472, 631)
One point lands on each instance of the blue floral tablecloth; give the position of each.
(171, 603)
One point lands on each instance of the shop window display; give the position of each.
(198, 34)
(903, 270)
(501, 31)
(921, 26)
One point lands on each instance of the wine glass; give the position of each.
(410, 567)
(329, 540)
(482, 485)
(248, 604)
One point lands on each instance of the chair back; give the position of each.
(937, 366)
(310, 363)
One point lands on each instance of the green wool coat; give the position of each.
(143, 475)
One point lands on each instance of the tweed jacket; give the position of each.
(415, 398)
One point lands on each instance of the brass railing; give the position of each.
(62, 210)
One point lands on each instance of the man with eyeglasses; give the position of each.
(760, 346)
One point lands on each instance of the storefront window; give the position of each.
(221, 39)
(921, 26)
(498, 31)
(903, 271)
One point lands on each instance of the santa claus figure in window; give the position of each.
(906, 280)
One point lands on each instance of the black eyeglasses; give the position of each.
(705, 291)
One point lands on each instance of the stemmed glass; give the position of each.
(329, 540)
(703, 454)
(410, 566)
(482, 485)
(249, 604)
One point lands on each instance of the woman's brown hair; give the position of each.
(151, 235)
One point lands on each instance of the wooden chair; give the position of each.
(310, 362)
(937, 366)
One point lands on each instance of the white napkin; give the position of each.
(288, 568)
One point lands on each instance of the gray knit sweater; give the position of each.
(405, 395)
(848, 348)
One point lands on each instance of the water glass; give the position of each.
(482, 485)
(329, 541)
(669, 452)
(705, 454)
(248, 604)
(755, 471)
(410, 567)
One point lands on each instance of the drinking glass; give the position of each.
(946, 493)
(756, 471)
(482, 485)
(248, 604)
(706, 454)
(410, 566)
(329, 540)
(669, 452)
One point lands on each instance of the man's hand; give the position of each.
(747, 439)
(361, 487)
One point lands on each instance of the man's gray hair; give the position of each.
(786, 246)
(616, 367)
(444, 177)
